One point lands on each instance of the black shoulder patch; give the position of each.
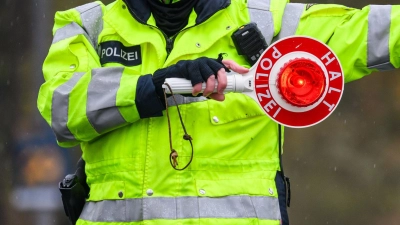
(308, 6)
(115, 51)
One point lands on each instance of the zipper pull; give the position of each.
(170, 43)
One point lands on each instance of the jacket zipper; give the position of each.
(170, 40)
(170, 45)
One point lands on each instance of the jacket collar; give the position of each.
(204, 9)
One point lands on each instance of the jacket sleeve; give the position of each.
(365, 40)
(81, 100)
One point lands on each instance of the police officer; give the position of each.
(103, 91)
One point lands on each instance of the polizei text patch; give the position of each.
(116, 52)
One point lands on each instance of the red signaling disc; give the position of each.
(299, 81)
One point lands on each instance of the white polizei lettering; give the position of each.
(334, 75)
(262, 63)
(276, 54)
(258, 75)
(123, 54)
(109, 51)
(262, 86)
(326, 57)
(131, 56)
(270, 105)
(115, 52)
(330, 106)
(277, 112)
(333, 89)
(261, 96)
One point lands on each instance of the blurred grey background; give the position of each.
(344, 170)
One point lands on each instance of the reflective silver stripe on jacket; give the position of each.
(230, 207)
(378, 37)
(101, 110)
(260, 14)
(68, 31)
(59, 109)
(290, 20)
(92, 21)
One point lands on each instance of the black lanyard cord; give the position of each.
(173, 156)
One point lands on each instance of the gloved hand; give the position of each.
(197, 71)
(149, 92)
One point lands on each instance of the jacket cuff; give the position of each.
(147, 101)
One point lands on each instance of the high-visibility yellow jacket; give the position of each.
(96, 94)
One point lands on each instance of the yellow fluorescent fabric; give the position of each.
(345, 30)
(236, 152)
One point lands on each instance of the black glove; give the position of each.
(197, 71)
(149, 93)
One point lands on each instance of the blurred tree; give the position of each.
(12, 53)
(344, 170)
